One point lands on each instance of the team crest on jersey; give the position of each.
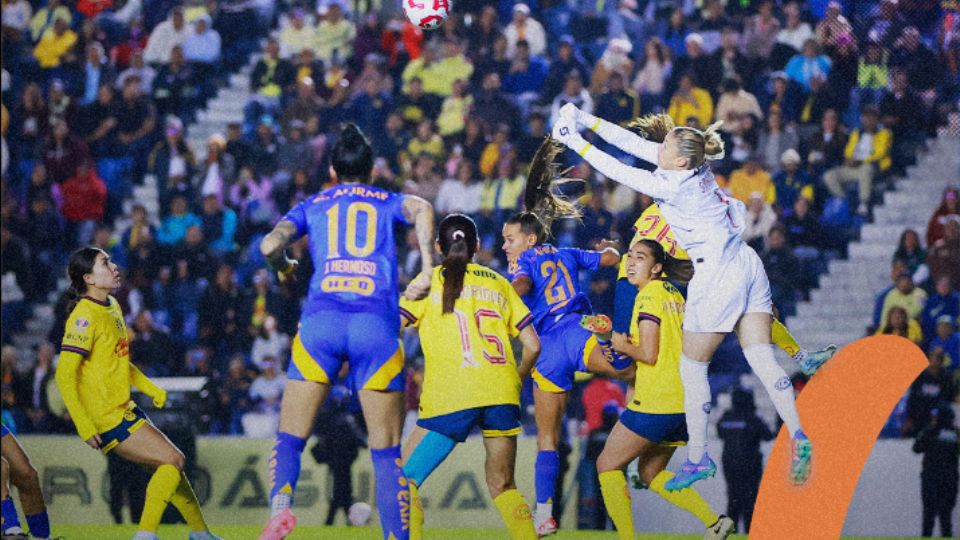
(81, 324)
(707, 407)
(129, 415)
(783, 383)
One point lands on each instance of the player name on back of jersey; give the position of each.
(353, 190)
(350, 266)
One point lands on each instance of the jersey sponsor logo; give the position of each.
(783, 383)
(350, 266)
(81, 324)
(707, 407)
(76, 338)
(336, 284)
(356, 191)
(122, 348)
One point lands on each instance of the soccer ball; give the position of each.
(427, 14)
(359, 514)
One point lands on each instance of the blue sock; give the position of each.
(284, 470)
(427, 456)
(623, 299)
(10, 517)
(547, 468)
(39, 525)
(393, 494)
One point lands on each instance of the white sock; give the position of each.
(145, 535)
(280, 502)
(775, 381)
(543, 512)
(696, 404)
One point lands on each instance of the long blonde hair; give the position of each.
(695, 145)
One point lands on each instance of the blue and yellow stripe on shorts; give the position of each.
(133, 419)
(546, 385)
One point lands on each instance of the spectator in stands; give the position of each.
(202, 45)
(807, 237)
(416, 104)
(460, 194)
(139, 231)
(833, 25)
(617, 103)
(792, 36)
(923, 68)
(263, 151)
(943, 302)
(296, 35)
(932, 387)
(750, 179)
(566, 60)
(690, 101)
(201, 262)
(911, 252)
(809, 65)
(453, 66)
(38, 415)
(57, 45)
(735, 102)
(866, 155)
(98, 123)
(775, 140)
(137, 67)
(899, 324)
(304, 106)
(271, 75)
(783, 269)
(947, 339)
(573, 92)
(454, 111)
(218, 313)
(760, 33)
(15, 26)
(294, 152)
(16, 277)
(733, 64)
(482, 34)
(791, 182)
(218, 169)
(84, 202)
(525, 27)
(46, 16)
(938, 473)
(943, 257)
(906, 296)
(650, 81)
(825, 149)
(173, 227)
(45, 237)
(872, 74)
(175, 88)
(524, 79)
(173, 163)
(886, 23)
(493, 108)
(151, 348)
(267, 389)
(615, 59)
(426, 141)
(28, 123)
(759, 221)
(219, 225)
(136, 120)
(334, 35)
(784, 96)
(704, 69)
(268, 341)
(233, 393)
(904, 114)
(250, 195)
(165, 36)
(97, 71)
(948, 209)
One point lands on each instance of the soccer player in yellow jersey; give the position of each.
(653, 425)
(471, 378)
(95, 375)
(652, 226)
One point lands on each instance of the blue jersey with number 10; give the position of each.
(353, 248)
(556, 290)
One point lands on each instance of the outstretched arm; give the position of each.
(623, 139)
(273, 245)
(420, 213)
(632, 177)
(143, 383)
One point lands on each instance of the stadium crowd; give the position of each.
(823, 104)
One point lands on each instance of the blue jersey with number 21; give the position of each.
(556, 290)
(352, 245)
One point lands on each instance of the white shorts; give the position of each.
(719, 294)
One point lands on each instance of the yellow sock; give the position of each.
(616, 497)
(185, 500)
(516, 515)
(688, 499)
(416, 513)
(160, 490)
(784, 339)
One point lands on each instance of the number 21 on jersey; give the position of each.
(556, 293)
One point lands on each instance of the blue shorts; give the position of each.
(133, 419)
(564, 350)
(3, 431)
(667, 429)
(369, 342)
(494, 421)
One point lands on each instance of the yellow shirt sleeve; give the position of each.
(413, 310)
(518, 315)
(66, 377)
(79, 333)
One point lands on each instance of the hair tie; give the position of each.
(458, 235)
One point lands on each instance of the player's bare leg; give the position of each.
(499, 466)
(698, 349)
(549, 409)
(298, 409)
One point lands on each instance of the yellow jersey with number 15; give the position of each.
(658, 389)
(469, 362)
(96, 331)
(651, 226)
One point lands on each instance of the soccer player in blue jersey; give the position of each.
(547, 279)
(18, 469)
(351, 315)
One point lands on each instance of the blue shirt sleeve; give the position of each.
(587, 259)
(398, 209)
(525, 266)
(298, 216)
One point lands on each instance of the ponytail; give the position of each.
(458, 243)
(539, 197)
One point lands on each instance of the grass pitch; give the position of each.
(173, 532)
